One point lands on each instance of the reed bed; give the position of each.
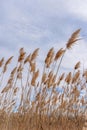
(31, 100)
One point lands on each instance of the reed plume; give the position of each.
(36, 99)
(72, 40)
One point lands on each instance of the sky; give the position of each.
(44, 24)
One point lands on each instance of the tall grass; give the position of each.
(30, 100)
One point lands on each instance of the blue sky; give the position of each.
(44, 24)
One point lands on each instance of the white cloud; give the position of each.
(41, 23)
(77, 8)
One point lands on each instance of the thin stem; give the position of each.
(59, 65)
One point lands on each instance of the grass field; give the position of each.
(30, 99)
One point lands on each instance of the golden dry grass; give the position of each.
(49, 109)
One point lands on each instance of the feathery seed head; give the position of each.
(73, 39)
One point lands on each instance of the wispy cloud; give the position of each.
(43, 24)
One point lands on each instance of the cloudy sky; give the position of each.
(44, 24)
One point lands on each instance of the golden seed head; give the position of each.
(77, 65)
(59, 54)
(1, 62)
(73, 39)
(34, 55)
